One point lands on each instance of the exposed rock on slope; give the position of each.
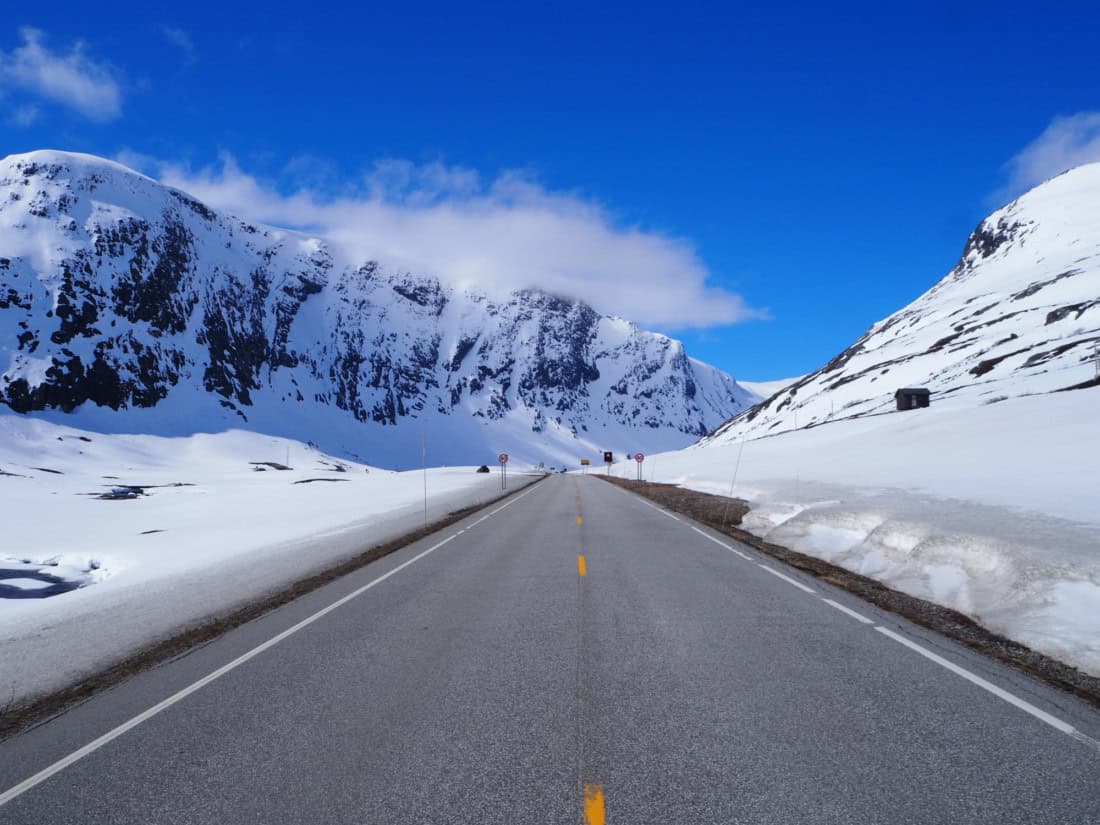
(1018, 315)
(137, 307)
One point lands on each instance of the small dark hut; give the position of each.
(910, 398)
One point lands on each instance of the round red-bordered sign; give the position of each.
(503, 458)
(639, 457)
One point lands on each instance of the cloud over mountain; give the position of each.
(1067, 142)
(509, 232)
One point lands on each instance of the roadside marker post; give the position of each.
(639, 458)
(503, 459)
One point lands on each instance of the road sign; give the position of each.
(585, 462)
(639, 457)
(503, 458)
(608, 457)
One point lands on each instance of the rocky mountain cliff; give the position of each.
(1018, 315)
(126, 305)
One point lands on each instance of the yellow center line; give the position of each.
(580, 520)
(593, 804)
(582, 566)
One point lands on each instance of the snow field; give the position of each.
(234, 534)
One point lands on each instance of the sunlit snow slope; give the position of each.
(128, 306)
(1019, 314)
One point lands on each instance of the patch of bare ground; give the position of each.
(725, 514)
(14, 719)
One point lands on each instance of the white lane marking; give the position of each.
(1011, 698)
(787, 579)
(510, 503)
(96, 744)
(658, 509)
(720, 543)
(857, 616)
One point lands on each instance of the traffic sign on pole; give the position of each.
(503, 459)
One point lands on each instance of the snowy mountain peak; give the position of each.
(133, 306)
(1018, 315)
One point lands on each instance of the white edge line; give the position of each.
(720, 543)
(1012, 699)
(96, 744)
(660, 510)
(787, 579)
(857, 616)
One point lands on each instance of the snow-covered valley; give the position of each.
(124, 313)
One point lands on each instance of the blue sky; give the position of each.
(763, 183)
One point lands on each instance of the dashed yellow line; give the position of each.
(593, 804)
(580, 519)
(582, 566)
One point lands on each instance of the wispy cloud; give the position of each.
(24, 115)
(1067, 142)
(182, 40)
(72, 79)
(506, 233)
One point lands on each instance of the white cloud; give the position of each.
(182, 40)
(72, 79)
(1067, 142)
(504, 234)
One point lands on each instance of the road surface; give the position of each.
(572, 654)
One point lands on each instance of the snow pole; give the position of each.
(733, 481)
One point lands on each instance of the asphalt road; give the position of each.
(681, 679)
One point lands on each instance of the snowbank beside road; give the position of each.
(991, 510)
(216, 524)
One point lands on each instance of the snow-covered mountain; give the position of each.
(1018, 315)
(130, 306)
